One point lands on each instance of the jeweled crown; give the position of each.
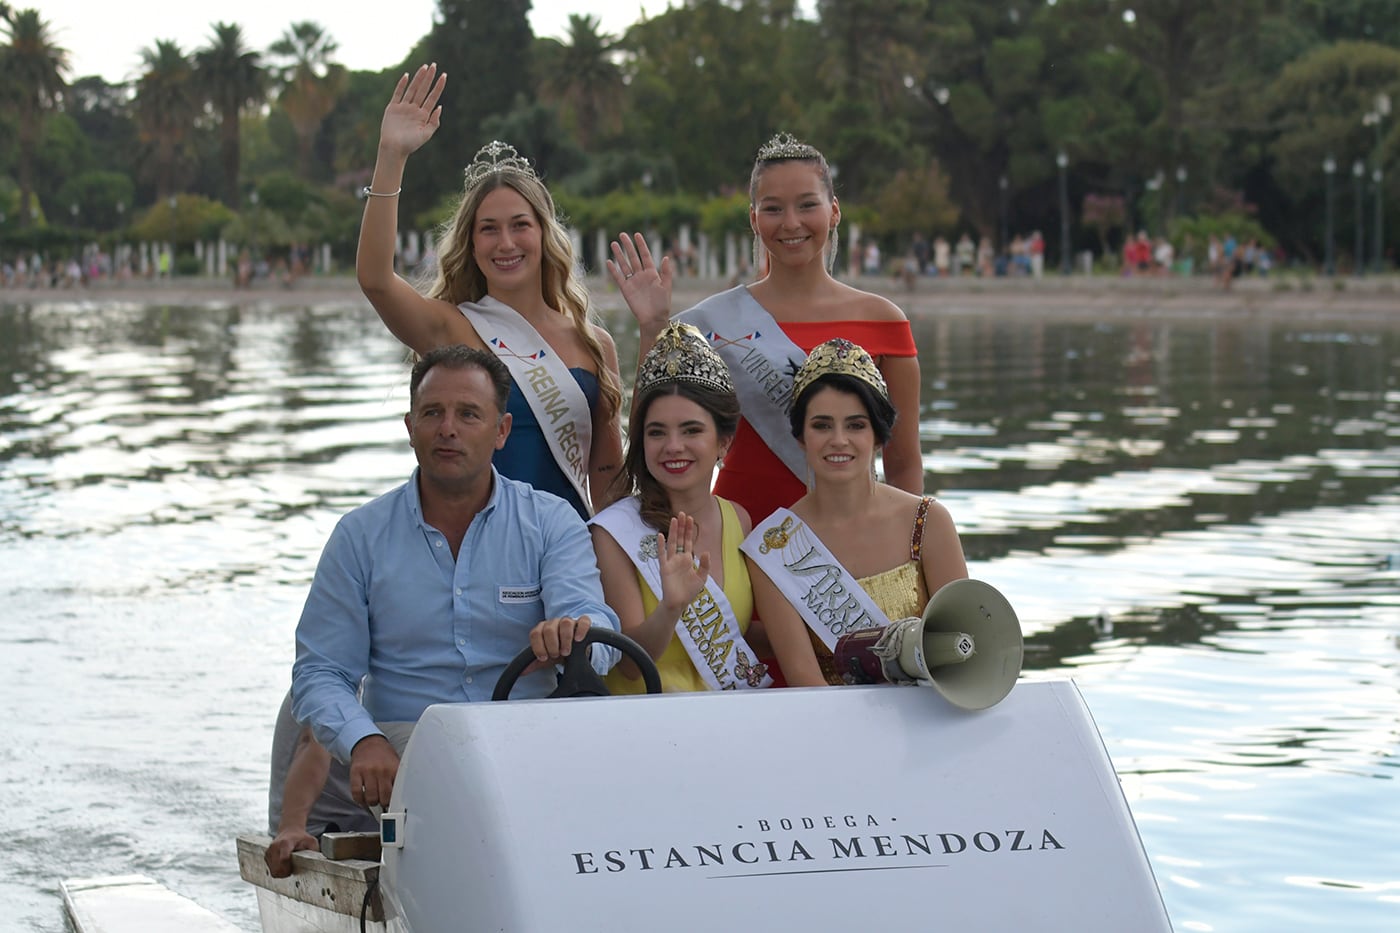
(839, 357)
(497, 158)
(682, 354)
(786, 146)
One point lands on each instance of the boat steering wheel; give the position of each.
(579, 678)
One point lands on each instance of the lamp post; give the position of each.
(77, 240)
(1181, 191)
(646, 203)
(1002, 185)
(1373, 118)
(1329, 168)
(1358, 173)
(1377, 244)
(253, 200)
(1062, 162)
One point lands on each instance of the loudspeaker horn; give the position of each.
(967, 646)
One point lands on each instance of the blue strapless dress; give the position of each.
(526, 456)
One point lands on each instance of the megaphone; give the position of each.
(967, 646)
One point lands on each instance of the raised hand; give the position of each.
(412, 115)
(645, 286)
(682, 576)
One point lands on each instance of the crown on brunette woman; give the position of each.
(786, 146)
(682, 354)
(497, 158)
(839, 357)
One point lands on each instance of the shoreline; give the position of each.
(1373, 297)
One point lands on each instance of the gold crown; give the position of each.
(839, 357)
(786, 146)
(682, 354)
(497, 158)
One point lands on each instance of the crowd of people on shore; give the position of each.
(759, 420)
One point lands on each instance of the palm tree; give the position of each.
(231, 77)
(166, 107)
(31, 78)
(582, 75)
(311, 83)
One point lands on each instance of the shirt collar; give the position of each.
(415, 499)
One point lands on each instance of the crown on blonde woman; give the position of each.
(682, 354)
(839, 357)
(786, 146)
(497, 158)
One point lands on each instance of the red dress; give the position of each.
(753, 476)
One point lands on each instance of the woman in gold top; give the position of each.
(900, 547)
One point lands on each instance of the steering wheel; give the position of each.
(579, 678)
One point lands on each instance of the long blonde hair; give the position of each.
(458, 278)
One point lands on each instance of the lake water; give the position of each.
(1197, 518)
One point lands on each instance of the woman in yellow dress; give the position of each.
(668, 549)
(893, 548)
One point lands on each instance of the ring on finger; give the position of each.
(628, 275)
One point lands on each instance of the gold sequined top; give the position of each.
(900, 592)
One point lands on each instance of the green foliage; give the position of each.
(486, 47)
(104, 199)
(182, 219)
(915, 199)
(1249, 96)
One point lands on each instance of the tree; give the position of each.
(231, 77)
(486, 47)
(32, 71)
(311, 83)
(166, 108)
(869, 65)
(581, 75)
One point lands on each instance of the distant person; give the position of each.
(505, 282)
(434, 587)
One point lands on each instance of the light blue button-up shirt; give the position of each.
(388, 600)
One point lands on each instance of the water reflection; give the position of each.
(1196, 518)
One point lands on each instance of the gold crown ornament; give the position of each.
(497, 158)
(682, 354)
(786, 146)
(839, 357)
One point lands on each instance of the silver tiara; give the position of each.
(786, 146)
(496, 158)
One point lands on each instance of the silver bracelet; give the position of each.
(380, 194)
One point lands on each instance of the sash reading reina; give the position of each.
(549, 388)
(708, 630)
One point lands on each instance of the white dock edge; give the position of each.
(135, 904)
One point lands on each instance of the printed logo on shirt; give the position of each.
(519, 593)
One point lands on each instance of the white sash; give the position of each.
(549, 388)
(763, 362)
(822, 591)
(708, 630)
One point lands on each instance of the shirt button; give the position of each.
(437, 544)
(469, 680)
(459, 591)
(461, 641)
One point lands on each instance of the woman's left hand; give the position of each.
(645, 286)
(682, 576)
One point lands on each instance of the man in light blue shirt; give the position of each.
(434, 587)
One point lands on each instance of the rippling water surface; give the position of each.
(1198, 519)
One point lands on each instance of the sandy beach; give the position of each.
(1375, 298)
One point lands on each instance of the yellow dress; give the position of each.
(900, 592)
(678, 674)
